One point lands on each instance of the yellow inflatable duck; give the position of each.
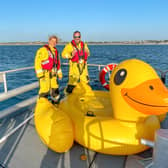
(107, 122)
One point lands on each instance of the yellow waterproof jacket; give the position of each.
(74, 72)
(67, 51)
(43, 55)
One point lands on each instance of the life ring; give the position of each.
(102, 74)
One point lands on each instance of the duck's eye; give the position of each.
(120, 76)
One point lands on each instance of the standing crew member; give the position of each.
(77, 52)
(48, 67)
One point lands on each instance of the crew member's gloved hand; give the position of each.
(74, 52)
(60, 75)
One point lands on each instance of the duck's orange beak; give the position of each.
(150, 97)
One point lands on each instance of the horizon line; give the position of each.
(88, 41)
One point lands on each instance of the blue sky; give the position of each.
(98, 20)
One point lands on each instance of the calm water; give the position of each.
(157, 55)
(12, 57)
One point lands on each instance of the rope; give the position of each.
(1, 166)
(94, 157)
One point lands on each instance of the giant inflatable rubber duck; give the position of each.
(107, 122)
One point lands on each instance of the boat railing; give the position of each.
(14, 92)
(3, 79)
(4, 73)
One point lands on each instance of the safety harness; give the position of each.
(80, 55)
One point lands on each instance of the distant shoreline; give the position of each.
(145, 42)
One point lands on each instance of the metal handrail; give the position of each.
(32, 67)
(14, 70)
(18, 91)
(10, 110)
(3, 73)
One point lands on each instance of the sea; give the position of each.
(19, 56)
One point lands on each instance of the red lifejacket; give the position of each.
(52, 61)
(80, 54)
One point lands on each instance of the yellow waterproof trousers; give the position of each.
(48, 84)
(77, 72)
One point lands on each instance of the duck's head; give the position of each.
(137, 91)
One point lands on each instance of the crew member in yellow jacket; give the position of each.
(77, 52)
(48, 67)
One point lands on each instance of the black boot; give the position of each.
(55, 96)
(70, 88)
